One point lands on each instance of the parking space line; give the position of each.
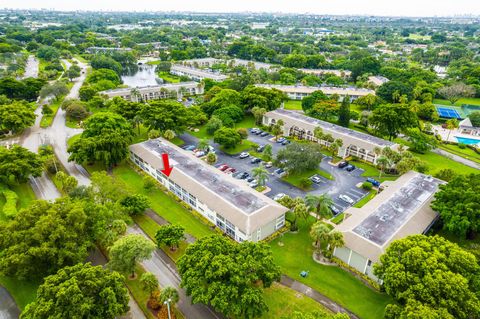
(356, 191)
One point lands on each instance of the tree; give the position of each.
(213, 125)
(334, 240)
(149, 283)
(319, 233)
(383, 163)
(267, 152)
(309, 101)
(73, 72)
(135, 204)
(227, 137)
(475, 118)
(344, 112)
(203, 144)
(298, 158)
(17, 164)
(390, 90)
(105, 139)
(456, 91)
(169, 294)
(81, 291)
(324, 109)
(165, 115)
(367, 101)
(127, 251)
(153, 134)
(169, 135)
(68, 182)
(170, 235)
(451, 124)
(56, 89)
(277, 129)
(320, 204)
(433, 272)
(16, 116)
(260, 173)
(258, 113)
(211, 158)
(101, 61)
(76, 111)
(44, 238)
(421, 142)
(391, 119)
(231, 281)
(458, 204)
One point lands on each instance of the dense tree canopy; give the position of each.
(297, 157)
(80, 291)
(391, 119)
(44, 238)
(165, 115)
(432, 275)
(170, 235)
(105, 139)
(227, 275)
(18, 163)
(128, 250)
(227, 137)
(16, 116)
(458, 204)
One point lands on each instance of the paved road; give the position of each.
(166, 272)
(31, 68)
(457, 158)
(8, 307)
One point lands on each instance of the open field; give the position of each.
(293, 105)
(472, 101)
(466, 152)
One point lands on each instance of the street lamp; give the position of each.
(167, 302)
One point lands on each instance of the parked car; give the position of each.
(244, 155)
(242, 175)
(223, 167)
(280, 172)
(258, 132)
(346, 199)
(260, 148)
(255, 160)
(281, 140)
(250, 179)
(335, 210)
(254, 129)
(189, 147)
(268, 164)
(374, 182)
(342, 164)
(230, 170)
(200, 153)
(279, 196)
(264, 134)
(286, 142)
(253, 183)
(211, 149)
(350, 168)
(316, 179)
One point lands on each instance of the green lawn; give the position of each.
(366, 199)
(372, 171)
(247, 122)
(243, 146)
(437, 162)
(22, 291)
(295, 179)
(283, 301)
(169, 78)
(466, 152)
(471, 101)
(293, 105)
(48, 119)
(162, 204)
(337, 284)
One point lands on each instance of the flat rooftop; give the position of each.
(382, 224)
(333, 127)
(240, 196)
(159, 86)
(197, 72)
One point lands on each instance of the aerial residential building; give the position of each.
(319, 72)
(400, 210)
(298, 92)
(377, 80)
(195, 73)
(154, 92)
(209, 62)
(466, 127)
(94, 50)
(355, 143)
(237, 209)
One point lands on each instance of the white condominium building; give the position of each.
(154, 92)
(238, 210)
(355, 143)
(195, 73)
(298, 92)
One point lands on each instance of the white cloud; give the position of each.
(365, 7)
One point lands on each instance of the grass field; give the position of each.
(295, 179)
(293, 105)
(247, 122)
(22, 291)
(296, 255)
(48, 119)
(466, 152)
(472, 101)
(169, 78)
(438, 162)
(372, 171)
(243, 146)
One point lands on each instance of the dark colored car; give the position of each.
(350, 168)
(260, 148)
(258, 132)
(255, 160)
(286, 142)
(281, 140)
(335, 210)
(241, 175)
(374, 182)
(250, 179)
(342, 164)
(264, 134)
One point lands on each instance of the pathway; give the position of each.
(457, 158)
(31, 68)
(8, 307)
(315, 295)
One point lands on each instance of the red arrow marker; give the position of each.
(166, 165)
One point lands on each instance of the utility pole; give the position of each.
(167, 302)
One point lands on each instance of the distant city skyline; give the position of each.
(412, 8)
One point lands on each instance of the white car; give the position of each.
(253, 183)
(244, 155)
(346, 199)
(279, 196)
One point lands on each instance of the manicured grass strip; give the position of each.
(244, 145)
(25, 194)
(471, 101)
(140, 296)
(366, 199)
(295, 179)
(296, 255)
(247, 122)
(163, 204)
(283, 302)
(438, 162)
(170, 78)
(48, 119)
(372, 171)
(22, 291)
(466, 152)
(293, 105)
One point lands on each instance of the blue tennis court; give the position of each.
(448, 113)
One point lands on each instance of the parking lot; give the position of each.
(344, 182)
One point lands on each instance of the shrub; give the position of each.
(149, 182)
(462, 146)
(243, 132)
(305, 183)
(77, 111)
(367, 186)
(154, 301)
(10, 206)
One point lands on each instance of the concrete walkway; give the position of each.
(8, 307)
(315, 295)
(457, 158)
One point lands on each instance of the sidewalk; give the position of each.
(457, 158)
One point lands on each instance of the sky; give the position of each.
(336, 7)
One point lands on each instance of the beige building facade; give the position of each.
(298, 92)
(155, 92)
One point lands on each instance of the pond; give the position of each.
(142, 75)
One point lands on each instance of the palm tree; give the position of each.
(136, 94)
(451, 124)
(320, 204)
(300, 210)
(267, 152)
(336, 145)
(319, 233)
(137, 120)
(383, 162)
(318, 133)
(335, 239)
(169, 135)
(260, 173)
(169, 295)
(203, 144)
